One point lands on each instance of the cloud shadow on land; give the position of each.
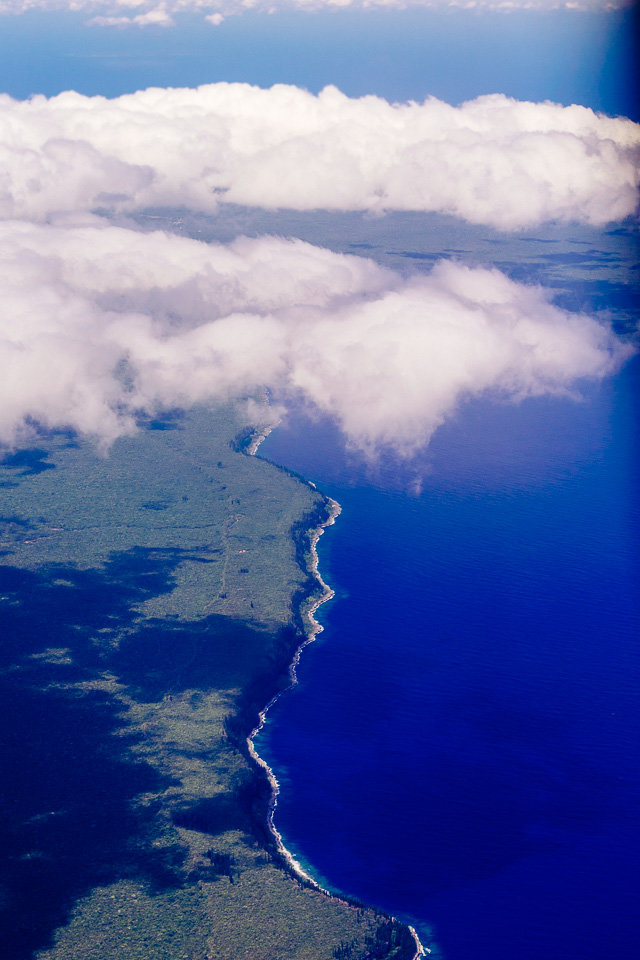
(171, 657)
(217, 652)
(70, 820)
(69, 782)
(228, 654)
(27, 463)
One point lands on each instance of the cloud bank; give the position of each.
(147, 13)
(493, 160)
(100, 323)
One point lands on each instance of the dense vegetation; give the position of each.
(151, 605)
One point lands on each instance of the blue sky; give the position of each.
(564, 56)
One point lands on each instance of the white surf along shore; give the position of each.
(312, 629)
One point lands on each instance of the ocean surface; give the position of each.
(463, 747)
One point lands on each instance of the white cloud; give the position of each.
(493, 160)
(117, 12)
(156, 17)
(100, 321)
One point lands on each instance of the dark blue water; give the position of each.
(462, 748)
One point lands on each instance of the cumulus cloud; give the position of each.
(156, 17)
(118, 12)
(493, 160)
(101, 322)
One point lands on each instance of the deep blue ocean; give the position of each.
(463, 746)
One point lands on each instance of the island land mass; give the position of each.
(153, 598)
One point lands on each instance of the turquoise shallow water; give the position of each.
(462, 747)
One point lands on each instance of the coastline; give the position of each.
(258, 437)
(182, 861)
(311, 629)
